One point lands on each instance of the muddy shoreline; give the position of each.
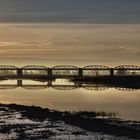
(96, 122)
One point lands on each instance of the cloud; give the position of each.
(70, 11)
(69, 43)
(6, 44)
(130, 49)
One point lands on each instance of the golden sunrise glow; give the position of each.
(69, 43)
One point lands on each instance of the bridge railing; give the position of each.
(65, 70)
(8, 70)
(68, 70)
(96, 72)
(127, 70)
(34, 72)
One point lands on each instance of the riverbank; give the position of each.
(30, 122)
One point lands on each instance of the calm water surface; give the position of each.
(63, 95)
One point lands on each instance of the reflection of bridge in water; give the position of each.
(65, 71)
(49, 84)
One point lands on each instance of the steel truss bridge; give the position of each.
(65, 71)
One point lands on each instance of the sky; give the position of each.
(76, 32)
(74, 44)
(70, 11)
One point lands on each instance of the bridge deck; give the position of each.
(67, 71)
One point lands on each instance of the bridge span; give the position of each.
(67, 71)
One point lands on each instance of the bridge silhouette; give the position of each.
(67, 71)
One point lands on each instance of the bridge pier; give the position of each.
(111, 72)
(80, 72)
(19, 72)
(49, 72)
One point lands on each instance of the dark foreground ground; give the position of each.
(24, 122)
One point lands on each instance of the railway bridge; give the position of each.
(66, 71)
